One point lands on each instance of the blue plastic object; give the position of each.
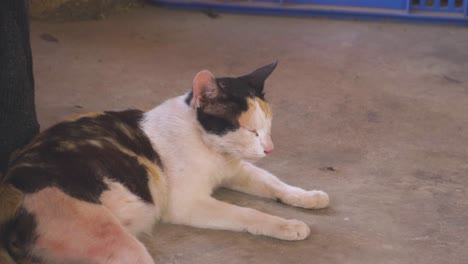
(454, 12)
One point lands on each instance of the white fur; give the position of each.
(242, 143)
(132, 213)
(196, 162)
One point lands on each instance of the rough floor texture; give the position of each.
(385, 106)
(75, 10)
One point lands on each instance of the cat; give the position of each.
(83, 189)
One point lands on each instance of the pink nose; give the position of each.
(268, 151)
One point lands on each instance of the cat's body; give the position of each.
(83, 189)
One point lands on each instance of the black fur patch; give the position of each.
(216, 125)
(220, 115)
(77, 156)
(256, 79)
(189, 98)
(19, 234)
(238, 88)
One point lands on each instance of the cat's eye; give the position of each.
(254, 131)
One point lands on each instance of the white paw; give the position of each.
(316, 199)
(292, 230)
(308, 199)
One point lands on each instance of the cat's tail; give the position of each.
(11, 200)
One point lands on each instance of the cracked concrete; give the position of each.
(384, 105)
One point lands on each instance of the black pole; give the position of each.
(18, 121)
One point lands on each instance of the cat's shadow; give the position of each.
(266, 205)
(171, 243)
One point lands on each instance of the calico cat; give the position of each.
(83, 189)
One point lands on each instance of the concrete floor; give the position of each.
(384, 104)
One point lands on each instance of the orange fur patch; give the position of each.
(90, 114)
(151, 168)
(12, 199)
(35, 141)
(246, 116)
(265, 107)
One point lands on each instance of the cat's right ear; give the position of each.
(204, 88)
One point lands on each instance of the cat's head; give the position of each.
(233, 113)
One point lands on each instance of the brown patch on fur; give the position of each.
(95, 143)
(11, 200)
(35, 142)
(66, 146)
(90, 114)
(151, 168)
(125, 129)
(75, 145)
(265, 107)
(5, 257)
(246, 116)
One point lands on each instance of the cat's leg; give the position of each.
(213, 214)
(73, 231)
(254, 180)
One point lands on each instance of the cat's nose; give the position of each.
(268, 151)
(268, 145)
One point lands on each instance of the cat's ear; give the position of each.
(204, 87)
(257, 78)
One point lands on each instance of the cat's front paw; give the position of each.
(316, 200)
(292, 230)
(308, 199)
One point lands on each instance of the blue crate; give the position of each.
(454, 12)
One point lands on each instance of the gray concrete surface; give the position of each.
(385, 105)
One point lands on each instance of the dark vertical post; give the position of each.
(18, 122)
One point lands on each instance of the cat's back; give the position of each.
(80, 156)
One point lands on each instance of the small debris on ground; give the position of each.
(211, 14)
(452, 80)
(48, 37)
(328, 168)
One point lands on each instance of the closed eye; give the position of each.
(254, 131)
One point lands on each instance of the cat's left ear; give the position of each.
(257, 78)
(204, 87)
